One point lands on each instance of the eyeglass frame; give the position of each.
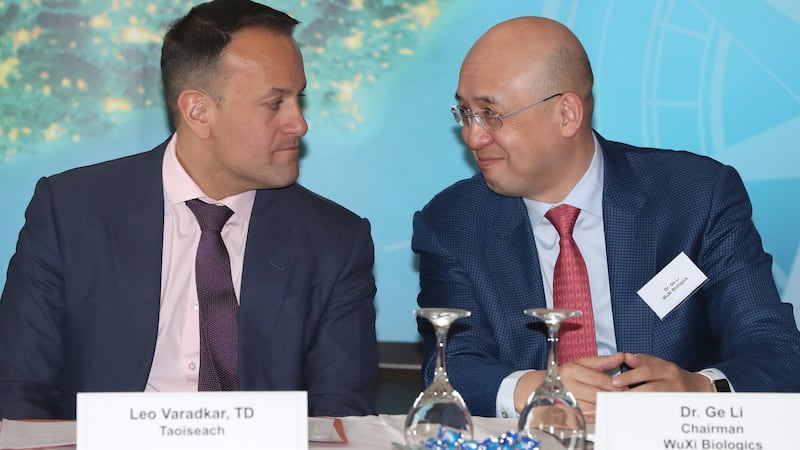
(459, 113)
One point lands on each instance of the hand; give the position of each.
(584, 378)
(652, 374)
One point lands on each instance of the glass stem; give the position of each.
(552, 355)
(441, 343)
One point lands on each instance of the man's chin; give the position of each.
(280, 181)
(498, 189)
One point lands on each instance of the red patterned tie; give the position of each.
(571, 289)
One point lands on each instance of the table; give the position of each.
(378, 432)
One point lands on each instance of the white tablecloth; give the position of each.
(363, 433)
(378, 432)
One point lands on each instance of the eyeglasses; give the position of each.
(487, 119)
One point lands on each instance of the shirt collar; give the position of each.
(179, 186)
(586, 195)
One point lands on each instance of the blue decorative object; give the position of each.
(451, 440)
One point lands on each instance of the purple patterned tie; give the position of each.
(219, 310)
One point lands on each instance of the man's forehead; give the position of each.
(487, 86)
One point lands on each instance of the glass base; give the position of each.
(433, 418)
(560, 423)
(557, 440)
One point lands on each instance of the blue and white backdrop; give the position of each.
(79, 83)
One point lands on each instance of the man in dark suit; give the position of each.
(101, 293)
(487, 244)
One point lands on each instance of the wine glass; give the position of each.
(551, 414)
(439, 411)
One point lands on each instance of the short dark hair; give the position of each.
(193, 45)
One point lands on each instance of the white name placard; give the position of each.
(242, 420)
(700, 421)
(672, 285)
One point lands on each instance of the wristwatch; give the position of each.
(718, 383)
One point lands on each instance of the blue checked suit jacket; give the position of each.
(477, 252)
(80, 308)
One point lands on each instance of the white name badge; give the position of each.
(672, 285)
(702, 421)
(244, 420)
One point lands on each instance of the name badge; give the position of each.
(713, 421)
(244, 420)
(672, 285)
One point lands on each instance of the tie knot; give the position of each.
(210, 217)
(563, 218)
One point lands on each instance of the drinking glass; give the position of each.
(551, 414)
(439, 409)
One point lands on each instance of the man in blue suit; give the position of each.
(101, 294)
(485, 244)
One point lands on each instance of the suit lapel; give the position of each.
(268, 264)
(631, 251)
(514, 263)
(137, 241)
(511, 246)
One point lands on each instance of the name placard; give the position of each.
(672, 285)
(242, 420)
(702, 421)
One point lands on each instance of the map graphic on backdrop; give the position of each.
(79, 83)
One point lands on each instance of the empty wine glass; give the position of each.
(552, 415)
(439, 410)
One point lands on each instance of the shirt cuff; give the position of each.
(505, 394)
(714, 375)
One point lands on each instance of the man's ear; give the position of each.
(194, 105)
(572, 110)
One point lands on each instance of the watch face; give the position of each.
(722, 385)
